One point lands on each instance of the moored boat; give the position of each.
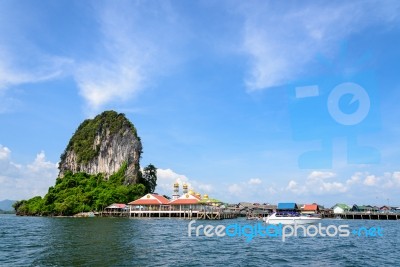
(291, 218)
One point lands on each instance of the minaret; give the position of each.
(185, 188)
(175, 195)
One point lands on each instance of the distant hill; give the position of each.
(6, 205)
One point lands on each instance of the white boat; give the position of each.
(290, 218)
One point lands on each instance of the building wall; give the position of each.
(338, 210)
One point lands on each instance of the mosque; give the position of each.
(188, 205)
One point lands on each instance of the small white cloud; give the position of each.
(235, 189)
(317, 175)
(101, 83)
(295, 188)
(169, 176)
(316, 184)
(4, 152)
(355, 179)
(333, 187)
(251, 189)
(370, 180)
(396, 178)
(41, 166)
(255, 181)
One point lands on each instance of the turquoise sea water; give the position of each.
(37, 241)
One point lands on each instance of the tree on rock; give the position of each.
(149, 178)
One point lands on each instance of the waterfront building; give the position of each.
(149, 202)
(310, 209)
(188, 201)
(287, 207)
(340, 208)
(364, 208)
(190, 205)
(116, 209)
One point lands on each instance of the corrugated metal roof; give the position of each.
(150, 199)
(116, 206)
(180, 201)
(287, 206)
(342, 206)
(310, 207)
(185, 200)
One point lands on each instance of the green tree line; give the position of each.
(82, 192)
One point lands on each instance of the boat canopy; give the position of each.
(287, 206)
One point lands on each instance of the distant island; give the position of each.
(7, 211)
(99, 166)
(6, 206)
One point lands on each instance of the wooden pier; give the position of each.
(184, 214)
(368, 216)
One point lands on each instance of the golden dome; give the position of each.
(176, 185)
(191, 192)
(185, 186)
(205, 196)
(198, 195)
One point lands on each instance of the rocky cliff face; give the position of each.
(103, 145)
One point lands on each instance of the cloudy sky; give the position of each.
(257, 101)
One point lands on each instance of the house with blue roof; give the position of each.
(287, 207)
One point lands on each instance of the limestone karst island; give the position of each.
(100, 166)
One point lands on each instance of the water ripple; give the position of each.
(35, 241)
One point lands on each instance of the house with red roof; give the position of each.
(116, 209)
(149, 202)
(186, 202)
(310, 209)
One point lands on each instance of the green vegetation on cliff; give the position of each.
(83, 139)
(81, 192)
(79, 189)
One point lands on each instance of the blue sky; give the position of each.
(229, 96)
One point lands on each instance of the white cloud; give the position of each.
(333, 187)
(235, 189)
(282, 40)
(396, 177)
(248, 190)
(136, 40)
(370, 180)
(355, 179)
(167, 177)
(316, 184)
(4, 152)
(135, 44)
(14, 72)
(255, 181)
(391, 180)
(316, 175)
(18, 181)
(295, 188)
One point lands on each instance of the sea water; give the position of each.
(43, 241)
